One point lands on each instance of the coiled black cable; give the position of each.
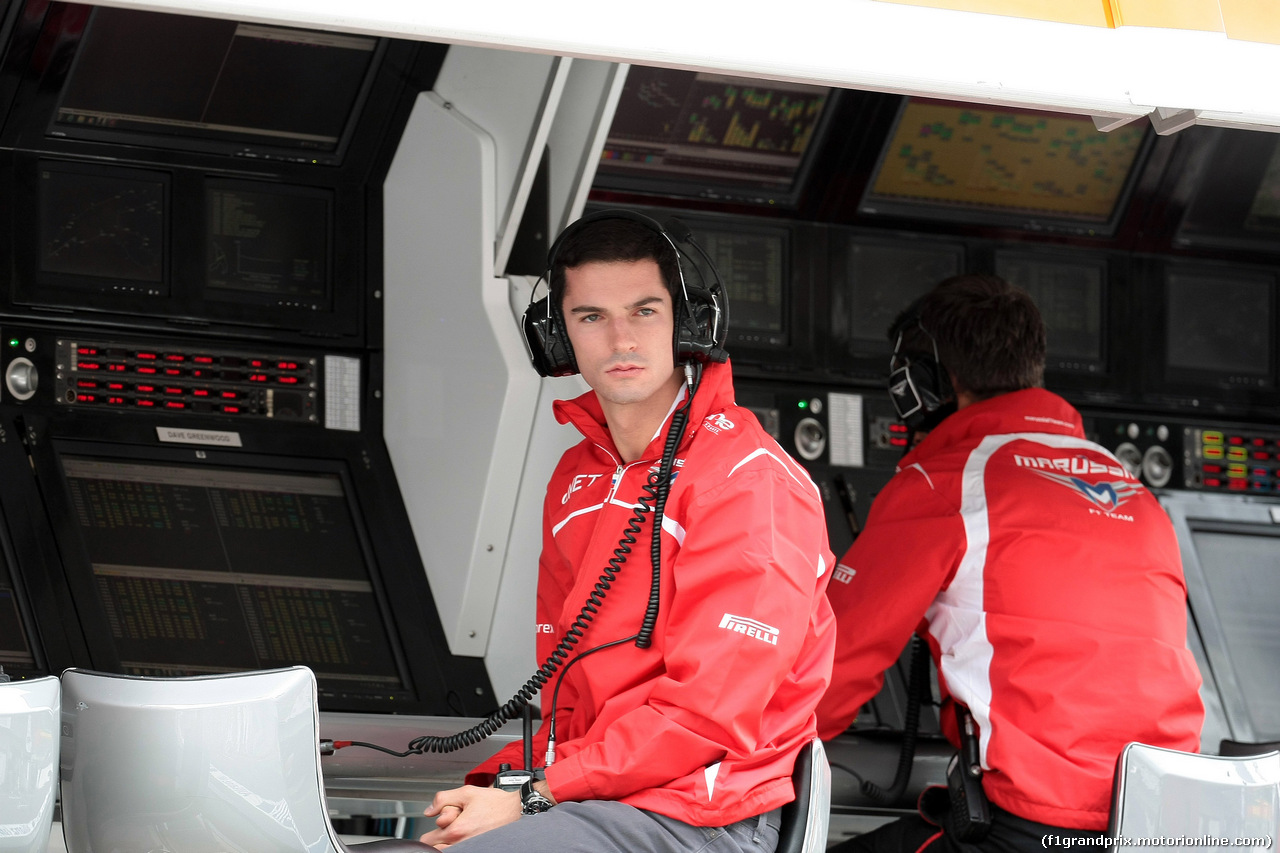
(917, 688)
(656, 488)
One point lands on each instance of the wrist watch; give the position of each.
(532, 802)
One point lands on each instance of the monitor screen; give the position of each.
(1236, 203)
(1219, 328)
(241, 84)
(102, 229)
(1242, 573)
(710, 135)
(202, 569)
(753, 267)
(1003, 166)
(1069, 294)
(267, 244)
(873, 281)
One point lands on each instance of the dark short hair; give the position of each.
(614, 240)
(989, 334)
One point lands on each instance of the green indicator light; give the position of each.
(13, 342)
(804, 404)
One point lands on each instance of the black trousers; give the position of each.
(1009, 834)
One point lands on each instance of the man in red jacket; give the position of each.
(689, 743)
(1045, 578)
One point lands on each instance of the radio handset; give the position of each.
(970, 811)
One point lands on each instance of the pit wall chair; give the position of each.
(197, 765)
(1165, 793)
(29, 713)
(806, 819)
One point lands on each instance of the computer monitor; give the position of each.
(1230, 550)
(102, 230)
(268, 244)
(1219, 329)
(232, 88)
(873, 279)
(1235, 202)
(183, 560)
(1071, 295)
(707, 135)
(754, 265)
(1001, 166)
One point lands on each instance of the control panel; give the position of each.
(1202, 456)
(124, 374)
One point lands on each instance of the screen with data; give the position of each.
(995, 165)
(216, 569)
(693, 132)
(753, 267)
(1070, 296)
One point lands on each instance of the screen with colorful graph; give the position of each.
(697, 134)
(1001, 166)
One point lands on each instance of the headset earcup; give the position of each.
(547, 341)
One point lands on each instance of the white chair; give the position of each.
(1165, 793)
(806, 819)
(28, 763)
(196, 765)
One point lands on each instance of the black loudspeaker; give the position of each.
(701, 309)
(918, 383)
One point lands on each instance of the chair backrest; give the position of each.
(1165, 793)
(807, 818)
(29, 713)
(193, 765)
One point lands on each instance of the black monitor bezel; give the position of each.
(187, 301)
(248, 148)
(727, 192)
(75, 287)
(866, 359)
(1230, 389)
(1218, 147)
(439, 683)
(1098, 367)
(873, 206)
(211, 294)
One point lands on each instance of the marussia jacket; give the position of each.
(1051, 587)
(705, 725)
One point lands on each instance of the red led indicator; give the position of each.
(203, 359)
(88, 365)
(174, 356)
(174, 391)
(115, 401)
(146, 389)
(146, 404)
(897, 428)
(287, 365)
(1212, 482)
(230, 395)
(897, 442)
(174, 404)
(1213, 469)
(257, 377)
(1238, 485)
(288, 380)
(86, 398)
(201, 392)
(254, 362)
(231, 410)
(1259, 442)
(147, 370)
(1258, 454)
(172, 371)
(1260, 472)
(115, 386)
(86, 351)
(1235, 439)
(117, 368)
(86, 383)
(149, 356)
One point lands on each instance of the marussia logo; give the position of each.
(750, 627)
(1107, 497)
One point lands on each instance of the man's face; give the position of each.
(620, 321)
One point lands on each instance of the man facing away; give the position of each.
(1045, 578)
(688, 744)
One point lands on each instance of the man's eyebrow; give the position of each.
(591, 309)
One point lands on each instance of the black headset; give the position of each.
(701, 308)
(919, 385)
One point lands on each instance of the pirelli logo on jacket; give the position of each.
(742, 625)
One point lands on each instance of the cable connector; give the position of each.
(550, 757)
(329, 747)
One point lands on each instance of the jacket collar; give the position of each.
(584, 412)
(1029, 410)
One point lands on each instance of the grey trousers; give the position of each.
(603, 826)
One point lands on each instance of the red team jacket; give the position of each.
(705, 725)
(1053, 597)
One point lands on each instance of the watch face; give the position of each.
(532, 802)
